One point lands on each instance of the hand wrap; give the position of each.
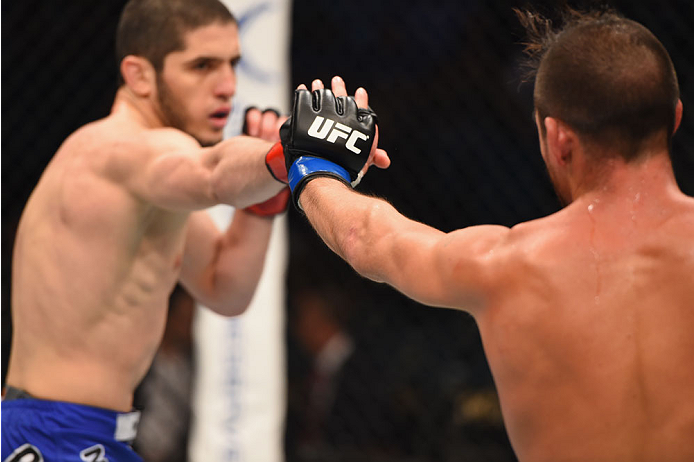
(273, 206)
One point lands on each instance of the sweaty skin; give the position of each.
(116, 219)
(586, 316)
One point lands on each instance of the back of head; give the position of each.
(154, 28)
(607, 77)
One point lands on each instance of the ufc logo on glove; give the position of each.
(340, 131)
(309, 139)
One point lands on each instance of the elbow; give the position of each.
(225, 298)
(359, 247)
(213, 180)
(222, 188)
(232, 294)
(230, 311)
(214, 194)
(352, 249)
(229, 307)
(202, 183)
(218, 190)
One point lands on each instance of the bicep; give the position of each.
(176, 181)
(168, 171)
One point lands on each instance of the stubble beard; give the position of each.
(173, 111)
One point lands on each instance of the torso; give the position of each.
(590, 337)
(93, 269)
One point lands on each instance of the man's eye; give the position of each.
(202, 65)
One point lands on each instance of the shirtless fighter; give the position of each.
(586, 315)
(116, 220)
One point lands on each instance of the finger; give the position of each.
(302, 97)
(272, 111)
(251, 123)
(339, 87)
(381, 159)
(268, 126)
(362, 98)
(377, 156)
(317, 85)
(302, 87)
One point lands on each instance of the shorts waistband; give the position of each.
(121, 426)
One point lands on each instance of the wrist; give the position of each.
(307, 168)
(323, 188)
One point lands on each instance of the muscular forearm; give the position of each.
(358, 228)
(238, 175)
(238, 263)
(221, 270)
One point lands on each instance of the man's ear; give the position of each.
(138, 74)
(678, 115)
(561, 140)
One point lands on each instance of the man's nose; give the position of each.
(226, 86)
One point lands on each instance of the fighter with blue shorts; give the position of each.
(118, 219)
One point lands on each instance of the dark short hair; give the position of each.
(154, 28)
(607, 77)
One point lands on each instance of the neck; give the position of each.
(139, 108)
(650, 176)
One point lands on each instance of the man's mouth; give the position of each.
(219, 117)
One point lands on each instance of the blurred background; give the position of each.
(371, 375)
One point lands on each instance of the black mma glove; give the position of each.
(326, 136)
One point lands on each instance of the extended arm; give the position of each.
(453, 270)
(173, 172)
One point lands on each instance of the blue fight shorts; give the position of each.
(36, 430)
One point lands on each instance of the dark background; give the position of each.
(443, 76)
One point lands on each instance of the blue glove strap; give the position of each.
(306, 165)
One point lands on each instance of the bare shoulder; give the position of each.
(531, 236)
(684, 216)
(677, 228)
(574, 234)
(520, 251)
(116, 148)
(493, 246)
(480, 254)
(507, 243)
(477, 240)
(482, 263)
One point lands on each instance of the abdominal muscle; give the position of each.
(72, 349)
(89, 296)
